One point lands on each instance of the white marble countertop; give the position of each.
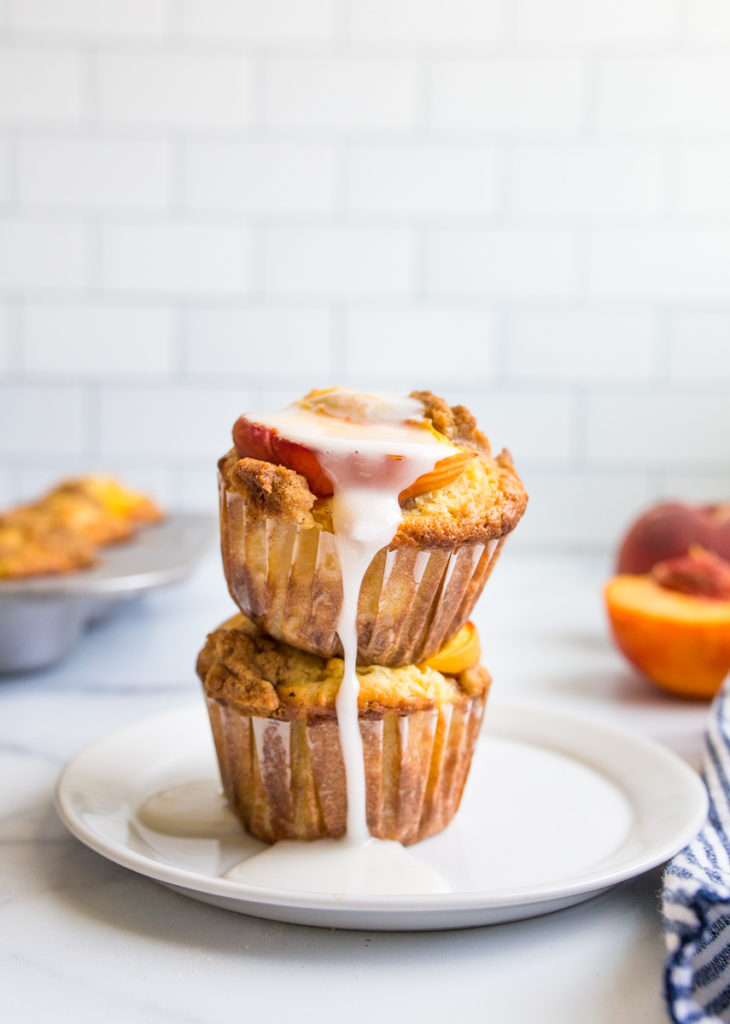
(84, 940)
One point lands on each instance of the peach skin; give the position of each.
(670, 529)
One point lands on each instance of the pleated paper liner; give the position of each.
(286, 780)
(287, 579)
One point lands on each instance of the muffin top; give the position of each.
(243, 666)
(469, 496)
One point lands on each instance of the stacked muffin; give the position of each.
(271, 674)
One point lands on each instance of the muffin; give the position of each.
(280, 555)
(272, 712)
(99, 508)
(62, 530)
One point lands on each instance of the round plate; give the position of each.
(557, 808)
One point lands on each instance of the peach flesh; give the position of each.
(679, 641)
(462, 652)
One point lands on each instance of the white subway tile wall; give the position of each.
(101, 341)
(43, 87)
(416, 24)
(183, 257)
(339, 260)
(5, 187)
(90, 19)
(3, 338)
(208, 206)
(261, 21)
(39, 254)
(260, 177)
(614, 22)
(78, 173)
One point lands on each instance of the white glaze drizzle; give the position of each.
(369, 464)
(378, 868)
(192, 810)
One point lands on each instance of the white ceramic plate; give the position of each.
(557, 809)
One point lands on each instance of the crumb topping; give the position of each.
(243, 666)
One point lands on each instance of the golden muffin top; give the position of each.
(243, 666)
(479, 498)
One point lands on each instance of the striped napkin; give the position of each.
(696, 896)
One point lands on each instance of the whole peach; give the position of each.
(670, 529)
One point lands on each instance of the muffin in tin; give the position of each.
(272, 712)
(62, 531)
(282, 568)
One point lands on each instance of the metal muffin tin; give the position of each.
(42, 618)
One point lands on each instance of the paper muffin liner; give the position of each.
(286, 780)
(287, 579)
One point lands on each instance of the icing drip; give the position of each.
(376, 869)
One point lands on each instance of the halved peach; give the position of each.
(680, 641)
(462, 651)
(257, 441)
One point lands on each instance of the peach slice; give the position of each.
(681, 641)
(443, 473)
(256, 441)
(462, 651)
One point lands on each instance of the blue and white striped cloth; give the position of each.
(696, 896)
